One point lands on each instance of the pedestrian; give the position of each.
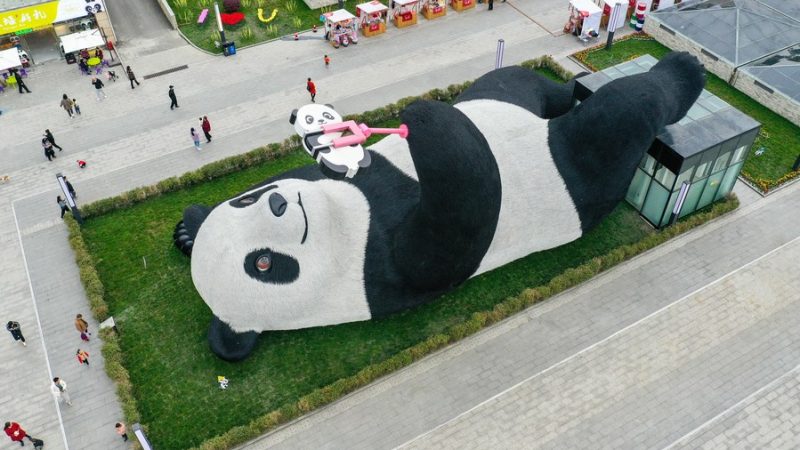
(491, 4)
(77, 108)
(132, 77)
(312, 89)
(327, 61)
(63, 204)
(195, 138)
(49, 153)
(206, 126)
(82, 326)
(16, 332)
(16, 433)
(83, 357)
(81, 164)
(98, 89)
(70, 188)
(59, 390)
(49, 136)
(66, 103)
(173, 98)
(122, 431)
(20, 83)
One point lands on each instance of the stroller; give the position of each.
(111, 76)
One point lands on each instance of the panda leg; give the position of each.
(228, 344)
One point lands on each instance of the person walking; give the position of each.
(132, 77)
(312, 89)
(49, 153)
(122, 431)
(66, 103)
(77, 108)
(83, 357)
(70, 188)
(16, 433)
(491, 4)
(63, 204)
(49, 136)
(195, 138)
(173, 98)
(59, 390)
(16, 332)
(82, 326)
(206, 127)
(98, 89)
(327, 61)
(20, 84)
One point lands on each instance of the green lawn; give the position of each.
(293, 16)
(780, 138)
(163, 321)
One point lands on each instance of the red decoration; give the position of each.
(231, 18)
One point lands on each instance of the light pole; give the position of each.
(219, 25)
(498, 61)
(70, 200)
(612, 23)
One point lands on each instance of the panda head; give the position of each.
(286, 255)
(310, 118)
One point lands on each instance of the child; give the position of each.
(83, 357)
(77, 108)
(327, 61)
(122, 431)
(195, 138)
(81, 163)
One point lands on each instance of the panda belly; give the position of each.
(537, 212)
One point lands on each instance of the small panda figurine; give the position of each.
(334, 162)
(511, 168)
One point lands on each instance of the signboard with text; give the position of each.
(45, 14)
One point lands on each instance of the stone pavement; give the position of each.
(678, 346)
(133, 139)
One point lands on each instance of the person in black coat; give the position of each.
(49, 136)
(172, 97)
(70, 188)
(20, 83)
(16, 331)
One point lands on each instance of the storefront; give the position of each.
(36, 29)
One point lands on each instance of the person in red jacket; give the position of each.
(16, 433)
(312, 89)
(206, 126)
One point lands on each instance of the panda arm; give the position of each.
(442, 240)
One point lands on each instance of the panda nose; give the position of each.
(277, 204)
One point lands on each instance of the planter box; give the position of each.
(461, 5)
(432, 13)
(373, 30)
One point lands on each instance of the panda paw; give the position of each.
(183, 239)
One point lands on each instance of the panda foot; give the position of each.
(183, 239)
(228, 344)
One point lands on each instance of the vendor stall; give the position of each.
(82, 40)
(460, 5)
(432, 9)
(340, 28)
(9, 58)
(372, 17)
(405, 12)
(584, 18)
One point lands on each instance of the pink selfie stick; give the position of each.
(360, 133)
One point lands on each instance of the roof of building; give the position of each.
(779, 71)
(739, 31)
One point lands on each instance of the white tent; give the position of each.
(84, 39)
(9, 58)
(591, 12)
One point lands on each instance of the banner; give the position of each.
(45, 14)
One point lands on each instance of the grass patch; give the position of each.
(779, 138)
(293, 16)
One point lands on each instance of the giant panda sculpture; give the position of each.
(511, 169)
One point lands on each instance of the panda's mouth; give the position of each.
(305, 218)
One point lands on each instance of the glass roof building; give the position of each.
(702, 154)
(752, 44)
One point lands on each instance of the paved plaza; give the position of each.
(693, 344)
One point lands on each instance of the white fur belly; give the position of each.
(537, 212)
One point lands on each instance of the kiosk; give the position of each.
(340, 28)
(372, 17)
(460, 5)
(405, 12)
(432, 9)
(584, 18)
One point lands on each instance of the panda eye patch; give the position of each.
(309, 119)
(327, 115)
(271, 267)
(251, 198)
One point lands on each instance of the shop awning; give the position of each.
(9, 58)
(338, 16)
(372, 7)
(84, 39)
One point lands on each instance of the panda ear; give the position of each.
(293, 117)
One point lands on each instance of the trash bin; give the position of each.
(229, 48)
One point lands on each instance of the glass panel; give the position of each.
(668, 212)
(740, 153)
(654, 205)
(711, 189)
(648, 164)
(702, 171)
(728, 180)
(665, 176)
(721, 162)
(684, 176)
(692, 197)
(637, 189)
